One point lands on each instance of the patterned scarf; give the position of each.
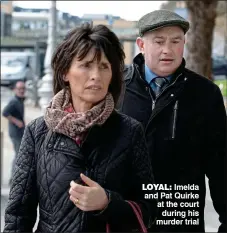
(61, 117)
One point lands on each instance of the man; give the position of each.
(184, 119)
(14, 112)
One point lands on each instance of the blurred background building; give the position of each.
(24, 38)
(6, 18)
(23, 26)
(26, 29)
(33, 23)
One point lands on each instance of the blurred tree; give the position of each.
(202, 16)
(169, 5)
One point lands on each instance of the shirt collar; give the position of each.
(149, 75)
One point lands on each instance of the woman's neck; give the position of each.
(81, 106)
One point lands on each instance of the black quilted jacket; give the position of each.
(113, 155)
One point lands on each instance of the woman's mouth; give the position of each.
(94, 87)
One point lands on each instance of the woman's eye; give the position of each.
(86, 65)
(104, 67)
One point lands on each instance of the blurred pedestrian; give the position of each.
(83, 160)
(14, 112)
(184, 118)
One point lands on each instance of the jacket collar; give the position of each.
(21, 99)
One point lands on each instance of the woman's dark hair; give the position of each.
(78, 43)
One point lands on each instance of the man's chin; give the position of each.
(169, 71)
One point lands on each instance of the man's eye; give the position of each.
(159, 42)
(175, 41)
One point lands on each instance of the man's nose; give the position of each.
(167, 48)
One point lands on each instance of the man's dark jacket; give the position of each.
(15, 108)
(114, 155)
(186, 133)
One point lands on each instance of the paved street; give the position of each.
(7, 156)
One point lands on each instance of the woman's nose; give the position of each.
(95, 74)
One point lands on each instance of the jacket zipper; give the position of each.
(166, 88)
(154, 101)
(174, 119)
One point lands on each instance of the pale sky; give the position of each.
(129, 10)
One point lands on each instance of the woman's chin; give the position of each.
(94, 99)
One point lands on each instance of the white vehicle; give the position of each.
(17, 66)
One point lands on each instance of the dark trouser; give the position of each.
(16, 144)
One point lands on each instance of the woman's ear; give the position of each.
(65, 78)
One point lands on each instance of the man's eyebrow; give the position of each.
(158, 37)
(177, 38)
(173, 38)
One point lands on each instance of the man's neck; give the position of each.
(155, 74)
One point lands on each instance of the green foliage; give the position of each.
(222, 85)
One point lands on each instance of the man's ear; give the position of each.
(140, 44)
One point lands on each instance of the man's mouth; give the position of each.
(167, 59)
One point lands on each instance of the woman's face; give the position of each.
(89, 80)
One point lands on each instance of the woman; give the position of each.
(82, 160)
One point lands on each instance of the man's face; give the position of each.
(20, 89)
(163, 49)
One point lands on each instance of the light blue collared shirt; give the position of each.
(149, 76)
